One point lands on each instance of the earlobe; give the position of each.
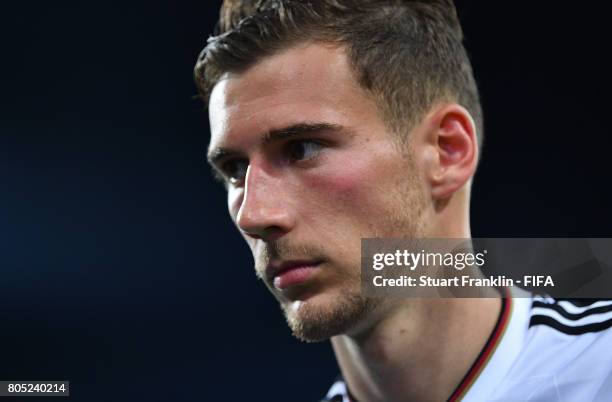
(455, 143)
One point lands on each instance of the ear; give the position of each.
(453, 147)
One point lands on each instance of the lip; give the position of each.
(290, 273)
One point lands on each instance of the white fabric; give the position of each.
(544, 363)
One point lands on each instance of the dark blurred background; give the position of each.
(120, 270)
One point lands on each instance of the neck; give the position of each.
(419, 350)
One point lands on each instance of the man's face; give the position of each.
(311, 168)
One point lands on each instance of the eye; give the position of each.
(234, 170)
(303, 150)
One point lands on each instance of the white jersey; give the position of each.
(541, 350)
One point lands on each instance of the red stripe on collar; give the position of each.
(488, 349)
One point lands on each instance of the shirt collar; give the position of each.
(506, 350)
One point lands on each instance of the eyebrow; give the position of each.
(275, 135)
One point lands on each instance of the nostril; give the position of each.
(251, 235)
(273, 233)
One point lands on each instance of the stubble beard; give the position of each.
(311, 323)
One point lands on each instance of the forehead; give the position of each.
(311, 82)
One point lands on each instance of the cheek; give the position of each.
(352, 188)
(344, 184)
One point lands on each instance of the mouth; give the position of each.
(284, 275)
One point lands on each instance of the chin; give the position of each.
(325, 315)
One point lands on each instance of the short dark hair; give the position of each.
(407, 54)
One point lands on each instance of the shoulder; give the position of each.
(566, 352)
(572, 317)
(553, 347)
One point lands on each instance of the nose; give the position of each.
(264, 211)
